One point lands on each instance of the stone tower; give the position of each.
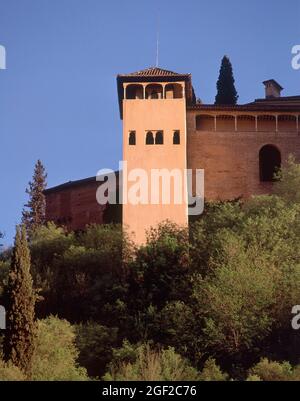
(153, 109)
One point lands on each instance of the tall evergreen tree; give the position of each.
(227, 93)
(34, 212)
(20, 331)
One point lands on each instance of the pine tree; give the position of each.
(227, 93)
(35, 215)
(20, 331)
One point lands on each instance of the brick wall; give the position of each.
(74, 207)
(231, 159)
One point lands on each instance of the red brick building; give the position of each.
(74, 205)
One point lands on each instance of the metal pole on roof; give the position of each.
(157, 41)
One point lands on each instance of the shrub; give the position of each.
(212, 372)
(9, 372)
(56, 356)
(148, 364)
(271, 371)
(95, 343)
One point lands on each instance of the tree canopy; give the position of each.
(226, 92)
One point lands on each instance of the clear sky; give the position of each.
(58, 98)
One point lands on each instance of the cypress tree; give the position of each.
(226, 92)
(34, 216)
(20, 328)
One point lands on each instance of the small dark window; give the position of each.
(176, 138)
(159, 138)
(269, 162)
(132, 138)
(149, 138)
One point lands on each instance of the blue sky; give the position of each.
(58, 98)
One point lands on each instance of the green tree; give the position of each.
(246, 262)
(9, 372)
(226, 92)
(212, 372)
(95, 344)
(92, 279)
(33, 214)
(159, 274)
(21, 327)
(55, 357)
(160, 271)
(47, 246)
(82, 277)
(273, 371)
(148, 364)
(234, 302)
(287, 185)
(175, 326)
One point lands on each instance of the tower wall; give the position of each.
(167, 115)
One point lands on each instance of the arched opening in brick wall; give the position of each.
(134, 92)
(154, 91)
(269, 162)
(173, 91)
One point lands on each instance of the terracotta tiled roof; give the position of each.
(153, 72)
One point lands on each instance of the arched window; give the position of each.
(132, 138)
(149, 138)
(134, 92)
(173, 91)
(154, 91)
(269, 162)
(159, 138)
(176, 138)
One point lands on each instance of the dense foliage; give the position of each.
(56, 355)
(143, 363)
(212, 302)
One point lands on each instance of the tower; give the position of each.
(153, 109)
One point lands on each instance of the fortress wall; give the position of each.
(74, 207)
(231, 159)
